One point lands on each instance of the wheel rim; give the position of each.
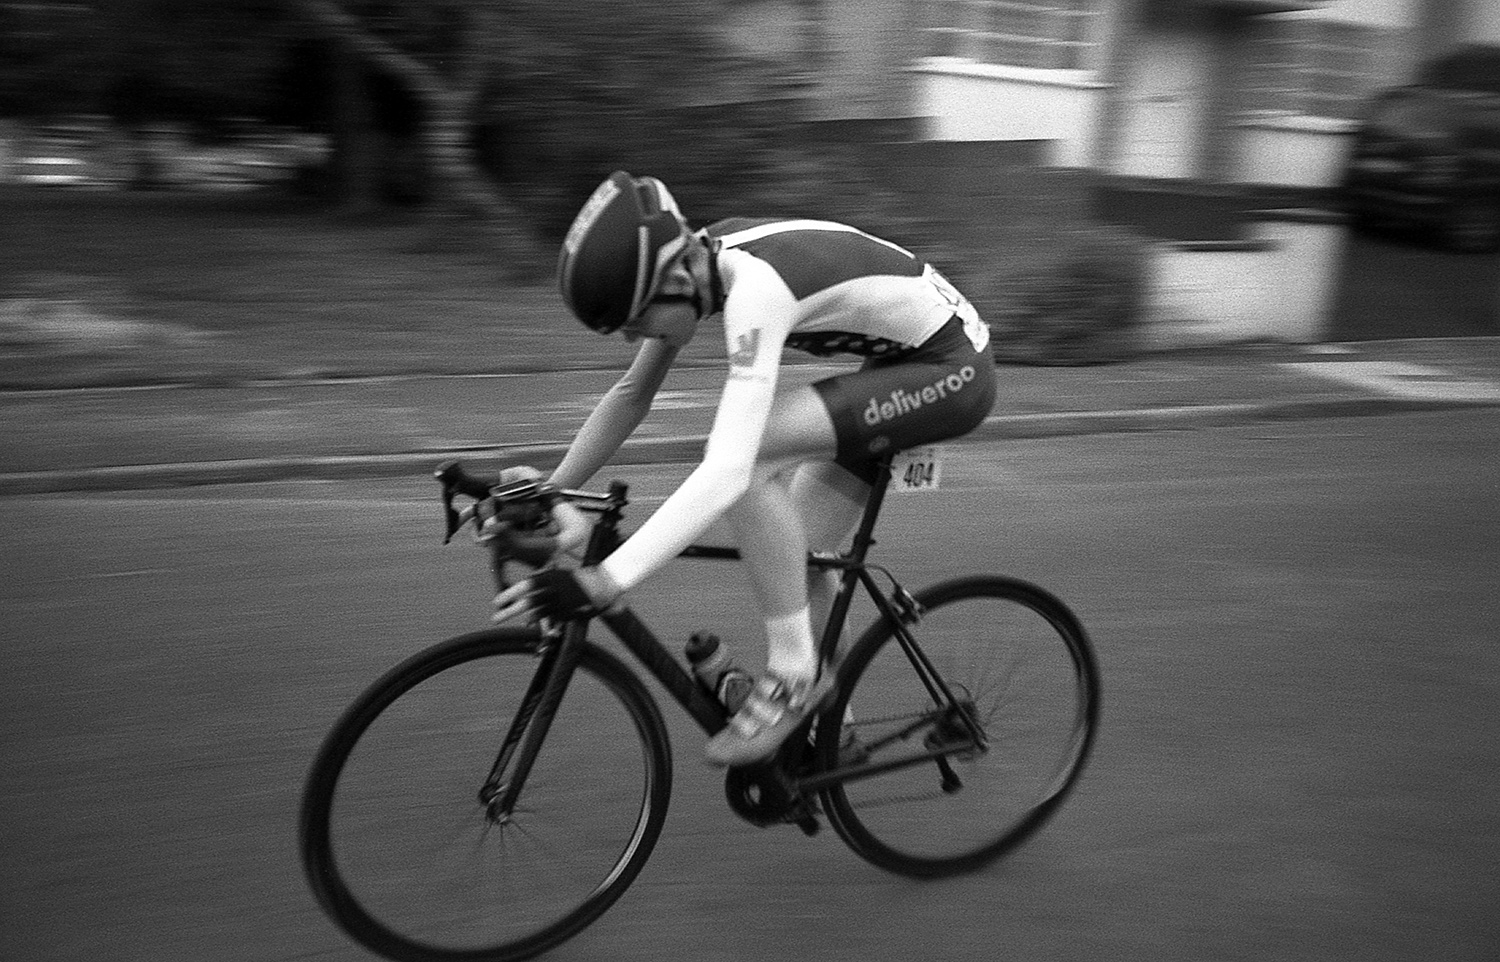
(1035, 697)
(412, 867)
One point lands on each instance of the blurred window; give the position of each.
(1046, 34)
(1310, 67)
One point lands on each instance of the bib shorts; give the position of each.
(942, 389)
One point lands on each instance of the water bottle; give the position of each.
(716, 671)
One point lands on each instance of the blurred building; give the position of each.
(1214, 128)
(1230, 91)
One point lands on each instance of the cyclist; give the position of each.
(789, 469)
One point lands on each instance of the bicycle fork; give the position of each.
(528, 729)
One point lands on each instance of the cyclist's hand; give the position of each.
(517, 537)
(521, 532)
(519, 472)
(557, 593)
(570, 527)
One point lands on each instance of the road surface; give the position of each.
(1296, 629)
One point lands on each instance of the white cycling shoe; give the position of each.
(772, 711)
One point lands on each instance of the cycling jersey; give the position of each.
(856, 293)
(825, 288)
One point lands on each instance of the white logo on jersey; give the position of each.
(746, 347)
(879, 411)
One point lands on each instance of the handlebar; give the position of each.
(529, 502)
(514, 494)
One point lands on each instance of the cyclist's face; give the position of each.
(672, 315)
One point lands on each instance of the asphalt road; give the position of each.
(1296, 630)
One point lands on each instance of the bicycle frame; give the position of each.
(358, 827)
(560, 648)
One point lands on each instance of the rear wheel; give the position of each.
(1020, 667)
(406, 858)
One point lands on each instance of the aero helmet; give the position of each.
(617, 251)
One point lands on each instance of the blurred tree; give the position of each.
(576, 90)
(503, 113)
(437, 53)
(142, 61)
(521, 106)
(194, 65)
(42, 66)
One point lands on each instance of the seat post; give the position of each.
(864, 534)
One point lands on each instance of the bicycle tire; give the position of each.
(439, 718)
(979, 632)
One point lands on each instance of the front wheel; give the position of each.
(974, 776)
(404, 854)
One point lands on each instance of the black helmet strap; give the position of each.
(715, 279)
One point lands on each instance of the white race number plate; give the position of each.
(917, 469)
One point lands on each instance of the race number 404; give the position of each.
(917, 469)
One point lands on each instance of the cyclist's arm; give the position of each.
(758, 315)
(616, 416)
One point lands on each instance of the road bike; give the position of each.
(492, 795)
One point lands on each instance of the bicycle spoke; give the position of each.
(1016, 677)
(424, 871)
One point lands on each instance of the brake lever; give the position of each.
(453, 478)
(451, 519)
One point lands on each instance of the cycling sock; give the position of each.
(791, 653)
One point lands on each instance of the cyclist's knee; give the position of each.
(829, 500)
(799, 429)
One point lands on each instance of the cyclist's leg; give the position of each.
(830, 500)
(773, 545)
(772, 538)
(827, 421)
(941, 390)
(788, 511)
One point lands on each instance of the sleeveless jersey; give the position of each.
(856, 293)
